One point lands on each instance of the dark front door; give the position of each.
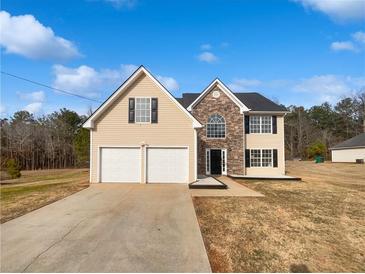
(215, 161)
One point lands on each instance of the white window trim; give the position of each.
(260, 124)
(261, 149)
(225, 129)
(207, 163)
(135, 109)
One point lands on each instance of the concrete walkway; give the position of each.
(108, 228)
(234, 189)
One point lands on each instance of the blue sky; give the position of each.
(301, 52)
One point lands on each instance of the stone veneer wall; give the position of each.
(234, 131)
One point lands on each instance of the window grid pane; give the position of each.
(216, 127)
(266, 124)
(143, 110)
(254, 124)
(255, 158)
(267, 158)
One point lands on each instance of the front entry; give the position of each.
(215, 162)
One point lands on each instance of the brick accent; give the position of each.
(233, 142)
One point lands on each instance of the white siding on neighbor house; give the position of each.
(268, 141)
(347, 155)
(174, 127)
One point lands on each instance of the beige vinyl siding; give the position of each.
(174, 127)
(268, 141)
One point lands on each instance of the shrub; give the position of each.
(13, 169)
(316, 149)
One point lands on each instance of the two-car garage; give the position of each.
(144, 164)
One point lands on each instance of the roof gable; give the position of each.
(218, 83)
(127, 83)
(252, 100)
(357, 141)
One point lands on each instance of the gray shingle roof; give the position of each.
(253, 100)
(357, 141)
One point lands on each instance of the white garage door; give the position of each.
(167, 165)
(120, 165)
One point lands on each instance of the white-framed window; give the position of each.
(143, 110)
(224, 162)
(266, 158)
(260, 124)
(261, 158)
(255, 122)
(266, 124)
(216, 126)
(255, 158)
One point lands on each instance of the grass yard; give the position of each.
(39, 188)
(317, 225)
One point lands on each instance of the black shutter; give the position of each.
(275, 157)
(274, 125)
(247, 158)
(154, 108)
(247, 124)
(131, 108)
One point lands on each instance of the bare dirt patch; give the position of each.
(317, 225)
(36, 189)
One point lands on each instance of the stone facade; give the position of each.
(233, 141)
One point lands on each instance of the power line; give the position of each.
(46, 86)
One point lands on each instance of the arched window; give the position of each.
(216, 126)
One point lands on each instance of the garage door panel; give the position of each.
(120, 165)
(167, 165)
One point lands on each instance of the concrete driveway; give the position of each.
(108, 228)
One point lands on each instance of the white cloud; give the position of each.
(359, 36)
(122, 3)
(243, 84)
(339, 10)
(36, 96)
(82, 80)
(343, 46)
(330, 87)
(35, 100)
(26, 36)
(87, 81)
(206, 47)
(168, 82)
(208, 57)
(34, 107)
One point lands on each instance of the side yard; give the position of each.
(317, 225)
(36, 189)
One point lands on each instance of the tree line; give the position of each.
(324, 125)
(52, 141)
(57, 140)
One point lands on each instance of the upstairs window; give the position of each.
(216, 126)
(260, 124)
(143, 110)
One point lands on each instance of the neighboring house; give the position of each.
(142, 134)
(349, 150)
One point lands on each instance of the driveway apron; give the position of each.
(108, 228)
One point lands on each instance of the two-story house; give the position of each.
(143, 134)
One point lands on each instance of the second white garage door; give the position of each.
(167, 165)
